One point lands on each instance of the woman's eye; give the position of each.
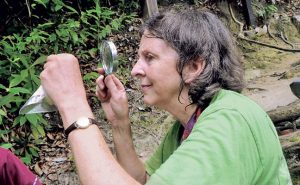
(149, 57)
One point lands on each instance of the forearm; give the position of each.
(94, 161)
(126, 154)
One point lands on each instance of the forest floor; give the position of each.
(268, 73)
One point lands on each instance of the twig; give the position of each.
(28, 8)
(268, 45)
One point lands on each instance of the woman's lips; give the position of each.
(145, 87)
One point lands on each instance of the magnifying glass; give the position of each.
(39, 102)
(108, 54)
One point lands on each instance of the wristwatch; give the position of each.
(81, 123)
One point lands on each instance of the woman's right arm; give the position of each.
(112, 95)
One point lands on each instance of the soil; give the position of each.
(268, 73)
(269, 87)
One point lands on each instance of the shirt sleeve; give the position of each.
(14, 172)
(212, 154)
(166, 148)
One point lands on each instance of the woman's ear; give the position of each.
(193, 70)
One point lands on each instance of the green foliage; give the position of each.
(68, 26)
(265, 12)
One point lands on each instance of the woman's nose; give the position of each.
(137, 70)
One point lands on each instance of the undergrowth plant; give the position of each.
(264, 12)
(67, 26)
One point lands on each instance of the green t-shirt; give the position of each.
(234, 142)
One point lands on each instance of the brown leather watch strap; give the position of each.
(75, 125)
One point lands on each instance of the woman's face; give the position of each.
(156, 70)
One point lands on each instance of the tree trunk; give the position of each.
(285, 113)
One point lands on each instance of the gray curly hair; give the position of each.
(195, 34)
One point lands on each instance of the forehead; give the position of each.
(150, 43)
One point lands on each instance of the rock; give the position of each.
(252, 74)
(291, 148)
(296, 22)
(261, 31)
(297, 123)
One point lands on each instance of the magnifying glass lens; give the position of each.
(109, 57)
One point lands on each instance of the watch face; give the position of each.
(83, 122)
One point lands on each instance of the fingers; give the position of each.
(49, 61)
(106, 86)
(63, 57)
(118, 83)
(102, 96)
(51, 58)
(100, 71)
(101, 90)
(100, 82)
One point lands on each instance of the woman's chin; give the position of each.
(148, 101)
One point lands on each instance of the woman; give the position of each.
(188, 66)
(14, 172)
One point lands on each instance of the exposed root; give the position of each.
(268, 45)
(285, 40)
(269, 33)
(235, 20)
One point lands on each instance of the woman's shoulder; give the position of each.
(227, 99)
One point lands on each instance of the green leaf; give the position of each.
(41, 130)
(32, 118)
(33, 5)
(15, 81)
(2, 132)
(74, 36)
(52, 37)
(34, 152)
(40, 60)
(6, 145)
(98, 9)
(22, 120)
(24, 61)
(17, 90)
(93, 52)
(71, 8)
(91, 76)
(2, 113)
(34, 132)
(42, 2)
(57, 7)
(45, 25)
(115, 24)
(27, 158)
(2, 87)
(6, 45)
(34, 77)
(7, 99)
(43, 121)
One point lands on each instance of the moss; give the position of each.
(294, 139)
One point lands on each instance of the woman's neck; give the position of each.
(182, 111)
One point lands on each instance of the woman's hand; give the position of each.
(112, 95)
